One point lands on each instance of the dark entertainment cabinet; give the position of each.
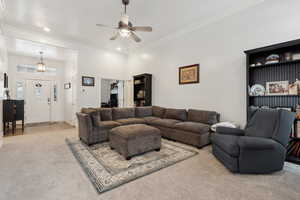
(287, 68)
(13, 110)
(142, 85)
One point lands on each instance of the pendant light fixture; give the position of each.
(41, 67)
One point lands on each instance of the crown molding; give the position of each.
(53, 40)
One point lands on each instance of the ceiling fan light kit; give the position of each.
(124, 33)
(125, 28)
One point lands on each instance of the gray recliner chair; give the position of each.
(260, 148)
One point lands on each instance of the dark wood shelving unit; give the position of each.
(142, 90)
(281, 71)
(277, 96)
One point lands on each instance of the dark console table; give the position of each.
(13, 111)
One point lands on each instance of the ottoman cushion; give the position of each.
(131, 140)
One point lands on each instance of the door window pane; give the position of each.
(20, 91)
(33, 69)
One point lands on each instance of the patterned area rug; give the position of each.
(107, 169)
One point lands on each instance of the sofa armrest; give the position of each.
(257, 143)
(85, 126)
(230, 131)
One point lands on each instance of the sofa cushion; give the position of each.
(96, 117)
(169, 123)
(108, 124)
(106, 114)
(123, 113)
(143, 111)
(93, 113)
(158, 111)
(149, 119)
(131, 121)
(228, 143)
(202, 116)
(195, 127)
(88, 110)
(178, 114)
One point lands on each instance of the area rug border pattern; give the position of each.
(100, 188)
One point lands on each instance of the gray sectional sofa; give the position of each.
(187, 126)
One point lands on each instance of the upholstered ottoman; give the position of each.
(131, 140)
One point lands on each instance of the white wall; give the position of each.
(57, 107)
(91, 61)
(70, 76)
(219, 50)
(99, 64)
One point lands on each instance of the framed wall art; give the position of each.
(189, 74)
(67, 85)
(278, 88)
(88, 81)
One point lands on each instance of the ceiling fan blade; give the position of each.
(105, 26)
(135, 37)
(115, 36)
(142, 28)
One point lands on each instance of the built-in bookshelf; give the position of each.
(142, 90)
(267, 65)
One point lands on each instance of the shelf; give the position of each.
(275, 64)
(136, 84)
(295, 139)
(293, 159)
(274, 96)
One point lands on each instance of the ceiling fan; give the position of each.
(125, 28)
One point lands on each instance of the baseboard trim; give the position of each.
(69, 124)
(44, 123)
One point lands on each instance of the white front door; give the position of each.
(37, 101)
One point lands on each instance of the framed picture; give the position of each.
(189, 74)
(278, 88)
(88, 81)
(67, 85)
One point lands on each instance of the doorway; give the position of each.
(38, 101)
(112, 93)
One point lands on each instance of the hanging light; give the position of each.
(41, 67)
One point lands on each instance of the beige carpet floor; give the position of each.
(39, 166)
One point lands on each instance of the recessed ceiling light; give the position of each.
(46, 29)
(119, 49)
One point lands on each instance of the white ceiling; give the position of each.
(76, 19)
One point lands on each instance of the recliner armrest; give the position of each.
(256, 143)
(230, 131)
